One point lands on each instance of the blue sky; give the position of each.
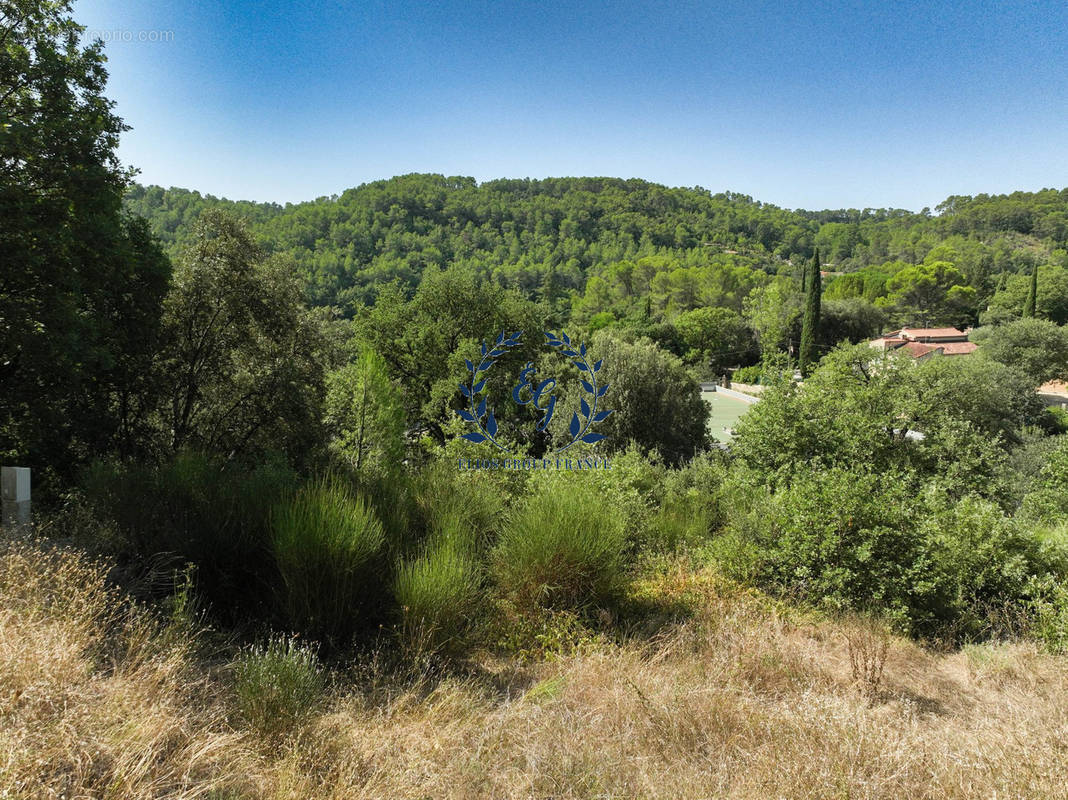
(804, 104)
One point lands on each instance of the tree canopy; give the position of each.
(81, 281)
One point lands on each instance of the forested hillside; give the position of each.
(547, 237)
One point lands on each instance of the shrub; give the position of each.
(561, 547)
(1049, 499)
(1055, 421)
(200, 509)
(634, 486)
(846, 540)
(467, 504)
(838, 539)
(546, 634)
(328, 545)
(277, 686)
(748, 374)
(654, 401)
(438, 593)
(691, 508)
(1050, 610)
(985, 563)
(393, 499)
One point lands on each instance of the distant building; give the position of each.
(924, 342)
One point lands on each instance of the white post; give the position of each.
(15, 498)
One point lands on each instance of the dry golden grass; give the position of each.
(742, 700)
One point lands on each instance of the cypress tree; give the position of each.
(1032, 294)
(810, 324)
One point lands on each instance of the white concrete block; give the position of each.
(15, 484)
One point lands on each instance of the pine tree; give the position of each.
(1032, 295)
(811, 322)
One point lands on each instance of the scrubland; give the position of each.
(720, 692)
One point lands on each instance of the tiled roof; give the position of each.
(957, 348)
(930, 333)
(919, 349)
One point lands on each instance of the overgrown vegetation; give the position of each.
(98, 699)
(263, 439)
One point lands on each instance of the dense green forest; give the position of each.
(605, 252)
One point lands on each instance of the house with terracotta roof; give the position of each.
(925, 342)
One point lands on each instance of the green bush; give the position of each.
(682, 523)
(563, 546)
(845, 540)
(1050, 610)
(749, 375)
(277, 686)
(634, 485)
(1048, 501)
(841, 540)
(691, 508)
(453, 503)
(985, 564)
(328, 546)
(655, 402)
(199, 509)
(438, 593)
(393, 498)
(1056, 420)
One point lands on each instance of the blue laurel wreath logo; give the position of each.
(539, 394)
(579, 430)
(487, 432)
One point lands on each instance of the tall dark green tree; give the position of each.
(1030, 308)
(80, 283)
(810, 324)
(242, 357)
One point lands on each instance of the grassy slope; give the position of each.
(739, 700)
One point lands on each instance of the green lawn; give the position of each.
(725, 412)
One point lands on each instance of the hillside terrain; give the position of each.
(547, 238)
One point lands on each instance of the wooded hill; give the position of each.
(547, 238)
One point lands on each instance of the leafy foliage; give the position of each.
(1036, 347)
(364, 415)
(1008, 301)
(1049, 498)
(82, 282)
(243, 360)
(426, 340)
(931, 295)
(890, 415)
(658, 405)
(715, 339)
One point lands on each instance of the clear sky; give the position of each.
(801, 104)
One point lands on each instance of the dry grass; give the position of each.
(740, 701)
